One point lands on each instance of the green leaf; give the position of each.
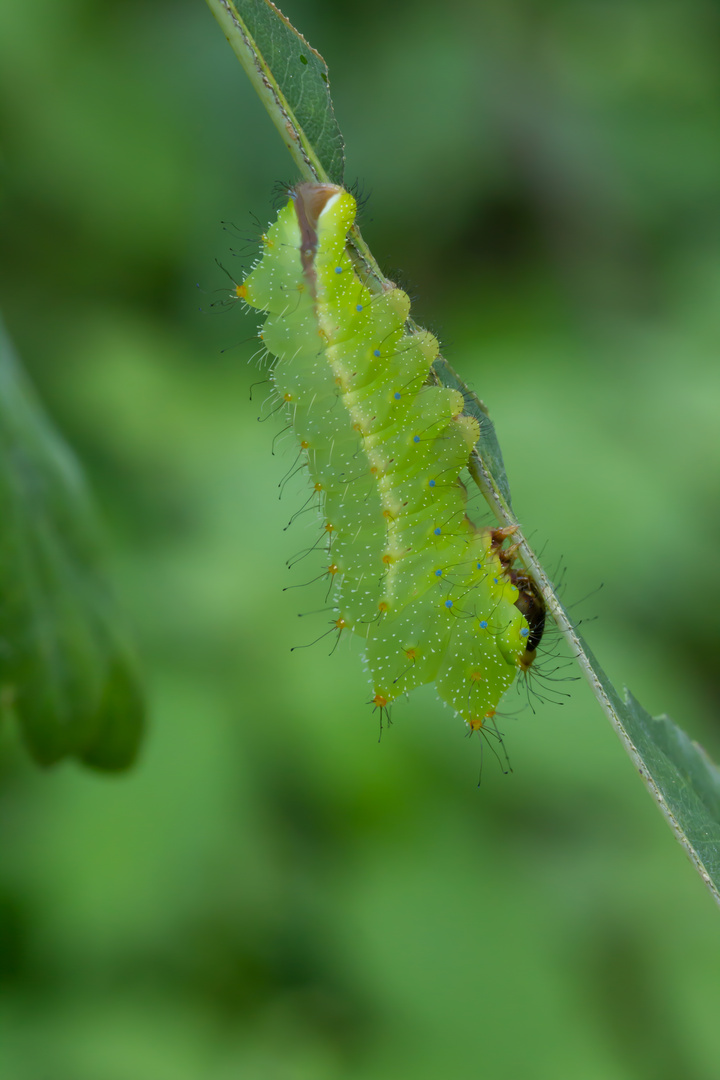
(292, 81)
(65, 669)
(684, 783)
(676, 771)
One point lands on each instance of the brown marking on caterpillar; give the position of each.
(532, 605)
(499, 536)
(310, 201)
(507, 555)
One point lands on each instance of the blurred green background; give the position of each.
(271, 894)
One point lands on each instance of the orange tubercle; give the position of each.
(477, 723)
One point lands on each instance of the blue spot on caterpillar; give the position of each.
(433, 605)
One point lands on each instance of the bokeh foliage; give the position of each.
(66, 674)
(271, 893)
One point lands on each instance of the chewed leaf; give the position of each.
(65, 670)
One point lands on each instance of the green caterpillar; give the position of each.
(431, 594)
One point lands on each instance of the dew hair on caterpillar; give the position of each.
(431, 596)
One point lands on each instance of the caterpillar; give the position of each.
(432, 595)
